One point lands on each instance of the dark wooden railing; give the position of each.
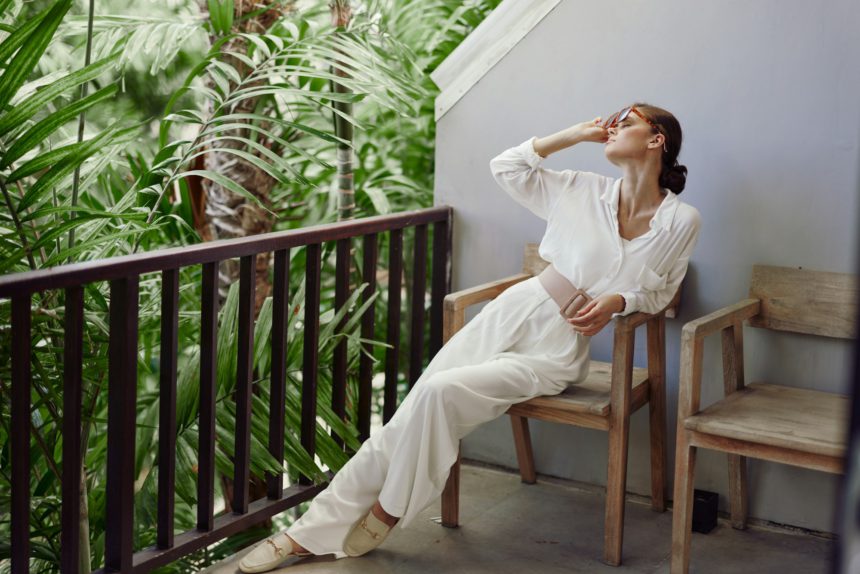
(123, 273)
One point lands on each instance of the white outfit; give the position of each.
(517, 347)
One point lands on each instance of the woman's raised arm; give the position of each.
(581, 132)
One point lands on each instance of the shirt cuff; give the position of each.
(528, 150)
(631, 304)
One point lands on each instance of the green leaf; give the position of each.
(23, 111)
(17, 38)
(221, 15)
(42, 130)
(226, 182)
(68, 164)
(27, 58)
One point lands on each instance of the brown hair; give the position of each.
(673, 175)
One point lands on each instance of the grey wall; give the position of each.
(768, 95)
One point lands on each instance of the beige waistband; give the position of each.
(568, 297)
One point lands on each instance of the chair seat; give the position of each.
(779, 416)
(589, 397)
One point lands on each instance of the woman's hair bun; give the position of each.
(674, 178)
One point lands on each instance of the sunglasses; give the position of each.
(618, 117)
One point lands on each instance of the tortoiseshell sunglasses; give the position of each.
(617, 117)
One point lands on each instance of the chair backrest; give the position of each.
(533, 264)
(805, 301)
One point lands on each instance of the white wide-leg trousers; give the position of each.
(517, 347)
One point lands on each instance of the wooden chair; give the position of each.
(604, 401)
(772, 422)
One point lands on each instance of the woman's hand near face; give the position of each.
(592, 131)
(581, 132)
(594, 316)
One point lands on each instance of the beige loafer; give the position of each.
(268, 554)
(366, 535)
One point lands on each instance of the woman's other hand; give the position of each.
(594, 316)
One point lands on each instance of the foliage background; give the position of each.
(148, 94)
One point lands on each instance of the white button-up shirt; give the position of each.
(582, 237)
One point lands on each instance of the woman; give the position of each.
(626, 242)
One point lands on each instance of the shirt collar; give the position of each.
(665, 212)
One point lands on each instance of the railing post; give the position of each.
(341, 294)
(310, 360)
(244, 365)
(122, 402)
(392, 354)
(365, 364)
(167, 406)
(72, 395)
(21, 379)
(419, 288)
(441, 280)
(206, 413)
(277, 394)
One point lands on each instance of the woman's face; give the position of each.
(631, 139)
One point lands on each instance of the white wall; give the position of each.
(768, 95)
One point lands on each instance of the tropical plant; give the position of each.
(135, 195)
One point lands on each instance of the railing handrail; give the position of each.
(27, 282)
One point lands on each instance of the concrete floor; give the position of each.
(556, 526)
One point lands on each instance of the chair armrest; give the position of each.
(722, 318)
(455, 304)
(692, 346)
(630, 322)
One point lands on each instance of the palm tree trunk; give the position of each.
(340, 16)
(225, 214)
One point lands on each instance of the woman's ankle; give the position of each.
(382, 515)
(296, 547)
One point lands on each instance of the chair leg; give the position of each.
(657, 411)
(451, 497)
(616, 486)
(523, 443)
(682, 510)
(738, 490)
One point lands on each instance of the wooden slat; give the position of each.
(122, 409)
(167, 406)
(365, 362)
(208, 380)
(799, 419)
(419, 288)
(805, 301)
(392, 354)
(733, 380)
(72, 398)
(341, 294)
(310, 362)
(813, 461)
(277, 392)
(20, 428)
(592, 396)
(244, 364)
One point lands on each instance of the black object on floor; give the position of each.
(704, 510)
